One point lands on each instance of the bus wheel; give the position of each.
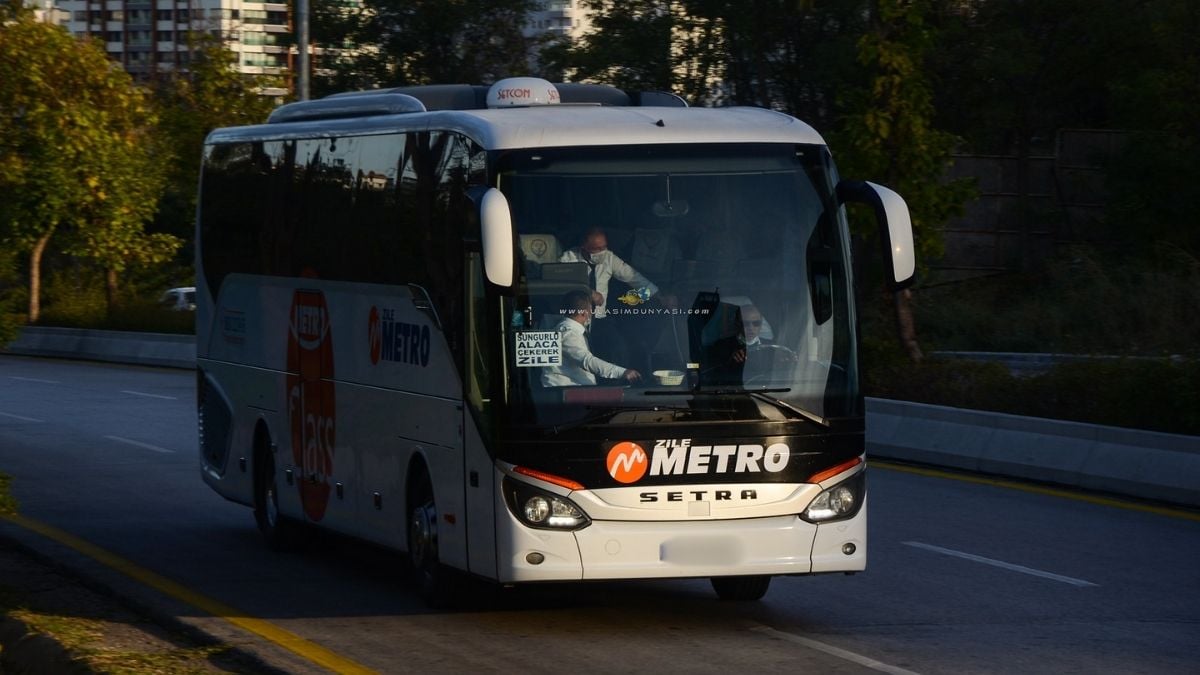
(741, 589)
(279, 532)
(429, 575)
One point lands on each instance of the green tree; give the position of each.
(1152, 183)
(111, 232)
(406, 42)
(888, 135)
(629, 46)
(66, 113)
(209, 94)
(789, 55)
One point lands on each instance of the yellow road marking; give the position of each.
(265, 629)
(1041, 490)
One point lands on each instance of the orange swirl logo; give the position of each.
(627, 462)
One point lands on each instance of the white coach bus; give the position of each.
(386, 282)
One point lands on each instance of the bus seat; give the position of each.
(557, 279)
(689, 273)
(540, 248)
(654, 250)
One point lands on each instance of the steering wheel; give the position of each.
(767, 357)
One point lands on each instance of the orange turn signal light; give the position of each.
(831, 472)
(549, 478)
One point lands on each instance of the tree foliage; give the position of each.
(887, 131)
(405, 42)
(74, 156)
(210, 94)
(1152, 183)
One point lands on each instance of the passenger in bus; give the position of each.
(603, 266)
(579, 365)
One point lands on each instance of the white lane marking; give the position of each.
(33, 379)
(1001, 564)
(147, 446)
(830, 649)
(20, 417)
(142, 393)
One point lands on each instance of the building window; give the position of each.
(80, 16)
(113, 36)
(165, 15)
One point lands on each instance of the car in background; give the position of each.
(182, 299)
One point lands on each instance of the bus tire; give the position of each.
(741, 589)
(278, 531)
(430, 577)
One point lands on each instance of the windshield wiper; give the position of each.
(609, 412)
(780, 403)
(757, 394)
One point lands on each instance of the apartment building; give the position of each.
(148, 36)
(558, 18)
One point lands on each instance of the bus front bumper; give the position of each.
(682, 549)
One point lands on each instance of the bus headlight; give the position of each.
(543, 510)
(839, 502)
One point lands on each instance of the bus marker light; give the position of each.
(830, 473)
(549, 478)
(535, 558)
(849, 549)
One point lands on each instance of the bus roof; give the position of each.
(555, 126)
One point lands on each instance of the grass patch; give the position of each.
(8, 503)
(88, 641)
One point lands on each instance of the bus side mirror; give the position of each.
(895, 226)
(495, 224)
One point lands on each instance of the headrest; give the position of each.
(540, 248)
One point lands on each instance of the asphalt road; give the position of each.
(962, 577)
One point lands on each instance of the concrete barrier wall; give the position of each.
(1144, 464)
(149, 349)
(1136, 463)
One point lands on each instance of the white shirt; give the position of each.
(607, 265)
(579, 365)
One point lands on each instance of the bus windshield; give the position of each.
(673, 283)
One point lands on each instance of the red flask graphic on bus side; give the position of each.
(310, 396)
